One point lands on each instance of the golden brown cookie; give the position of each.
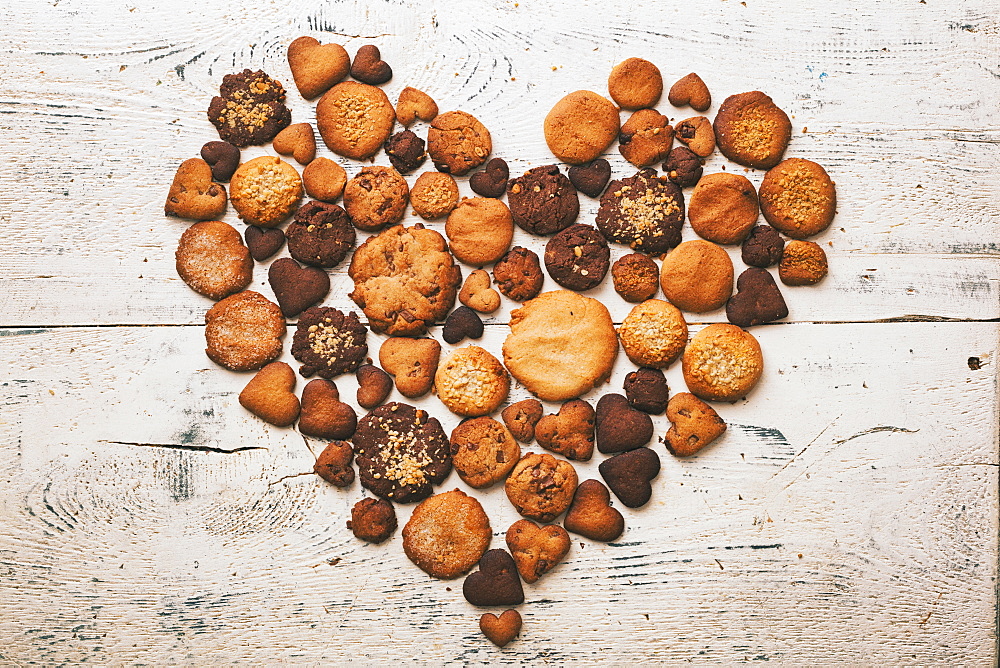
(243, 331)
(372, 520)
(570, 432)
(591, 514)
(635, 83)
(690, 89)
(798, 198)
(471, 382)
(646, 138)
(265, 191)
(697, 276)
(636, 277)
(447, 534)
(334, 464)
(316, 67)
(478, 294)
(722, 363)
(802, 263)
(414, 104)
(458, 143)
(723, 208)
(376, 197)
(324, 179)
(483, 451)
(536, 550)
(541, 487)
(323, 414)
(413, 363)
(298, 141)
(269, 395)
(479, 230)
(561, 345)
(653, 334)
(580, 127)
(192, 193)
(404, 280)
(521, 419)
(750, 129)
(698, 134)
(518, 274)
(694, 424)
(434, 195)
(354, 119)
(212, 259)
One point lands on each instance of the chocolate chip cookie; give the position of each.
(578, 257)
(458, 143)
(541, 487)
(376, 197)
(543, 200)
(518, 274)
(483, 451)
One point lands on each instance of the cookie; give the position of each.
(561, 345)
(212, 259)
(334, 464)
(401, 452)
(372, 520)
(297, 288)
(690, 89)
(591, 514)
(798, 198)
(518, 275)
(434, 195)
(478, 294)
(543, 201)
(697, 276)
(374, 385)
(653, 334)
(580, 127)
(320, 234)
(644, 211)
(250, 108)
(462, 323)
(269, 395)
(578, 257)
(368, 66)
(636, 277)
(458, 143)
(496, 583)
(694, 424)
(354, 119)
(619, 427)
(536, 550)
(316, 67)
(646, 138)
(479, 230)
(683, 167)
(193, 195)
(222, 157)
(751, 130)
(376, 197)
(722, 363)
(471, 382)
(802, 263)
(263, 242)
(591, 179)
(629, 474)
(413, 363)
(483, 451)
(329, 342)
(762, 247)
(265, 191)
(404, 279)
(541, 487)
(447, 534)
(325, 416)
(635, 83)
(503, 629)
(406, 151)
(492, 181)
(570, 432)
(757, 300)
(324, 179)
(243, 331)
(298, 141)
(521, 419)
(414, 104)
(723, 208)
(698, 134)
(646, 390)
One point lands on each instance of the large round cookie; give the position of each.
(561, 344)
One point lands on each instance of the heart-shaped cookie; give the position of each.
(414, 104)
(495, 583)
(570, 432)
(695, 424)
(192, 193)
(323, 414)
(536, 550)
(368, 66)
(462, 323)
(591, 514)
(478, 294)
(646, 390)
(619, 426)
(757, 299)
(413, 362)
(522, 417)
(222, 157)
(297, 288)
(334, 463)
(591, 179)
(297, 140)
(492, 181)
(374, 385)
(690, 89)
(500, 630)
(316, 67)
(269, 395)
(628, 475)
(263, 242)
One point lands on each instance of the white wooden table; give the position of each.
(849, 515)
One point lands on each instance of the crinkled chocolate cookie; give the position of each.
(328, 342)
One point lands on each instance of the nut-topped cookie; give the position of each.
(328, 342)
(798, 198)
(750, 129)
(265, 191)
(471, 382)
(645, 211)
(354, 119)
(458, 143)
(722, 363)
(250, 108)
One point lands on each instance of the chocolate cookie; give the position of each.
(646, 390)
(541, 487)
(723, 208)
(243, 331)
(798, 198)
(354, 119)
(543, 200)
(636, 277)
(250, 108)
(406, 151)
(518, 274)
(483, 451)
(683, 167)
(578, 257)
(458, 143)
(762, 247)
(401, 452)
(447, 534)
(376, 197)
(320, 235)
(328, 342)
(645, 211)
(751, 130)
(580, 127)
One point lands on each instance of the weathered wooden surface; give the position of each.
(849, 515)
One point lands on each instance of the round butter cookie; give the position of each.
(798, 198)
(471, 382)
(447, 534)
(722, 363)
(354, 119)
(581, 126)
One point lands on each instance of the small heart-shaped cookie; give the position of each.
(316, 67)
(691, 90)
(414, 104)
(495, 583)
(462, 323)
(492, 181)
(297, 288)
(222, 157)
(521, 419)
(368, 66)
(646, 390)
(591, 514)
(323, 414)
(477, 292)
(269, 395)
(500, 630)
(619, 426)
(536, 550)
(297, 140)
(591, 179)
(757, 299)
(374, 385)
(193, 195)
(413, 362)
(569, 433)
(628, 475)
(334, 463)
(695, 424)
(263, 242)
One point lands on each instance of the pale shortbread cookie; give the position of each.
(722, 363)
(471, 382)
(653, 334)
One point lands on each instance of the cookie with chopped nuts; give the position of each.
(401, 452)
(646, 138)
(250, 108)
(265, 191)
(320, 234)
(802, 263)
(578, 257)
(328, 343)
(518, 274)
(751, 130)
(471, 382)
(243, 331)
(543, 200)
(458, 143)
(636, 277)
(722, 363)
(644, 211)
(483, 451)
(447, 534)
(354, 119)
(798, 198)
(653, 334)
(376, 197)
(541, 487)
(434, 195)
